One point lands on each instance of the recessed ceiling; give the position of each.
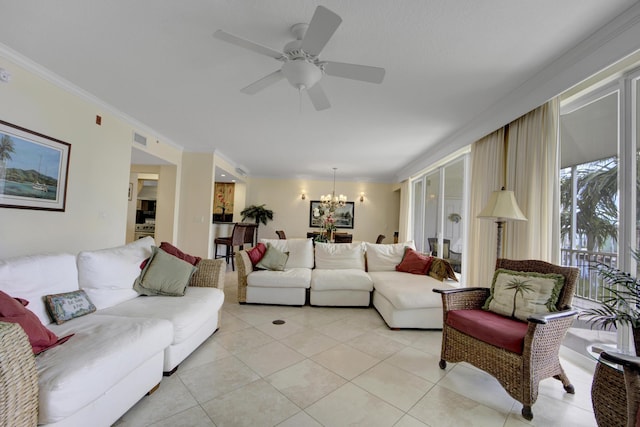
(446, 62)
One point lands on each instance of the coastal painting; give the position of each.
(33, 169)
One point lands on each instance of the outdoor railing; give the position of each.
(589, 284)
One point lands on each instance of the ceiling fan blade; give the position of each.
(363, 73)
(318, 97)
(264, 82)
(322, 26)
(255, 47)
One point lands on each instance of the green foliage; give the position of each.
(258, 213)
(621, 304)
(21, 175)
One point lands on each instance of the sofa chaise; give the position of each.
(115, 354)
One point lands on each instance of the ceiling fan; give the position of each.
(301, 65)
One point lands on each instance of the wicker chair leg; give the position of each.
(527, 414)
(568, 387)
(442, 364)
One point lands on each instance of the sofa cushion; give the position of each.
(34, 276)
(300, 251)
(289, 278)
(414, 262)
(341, 279)
(68, 305)
(490, 327)
(520, 294)
(385, 257)
(164, 274)
(273, 259)
(408, 291)
(13, 310)
(186, 313)
(107, 275)
(103, 351)
(335, 256)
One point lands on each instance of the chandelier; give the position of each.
(331, 202)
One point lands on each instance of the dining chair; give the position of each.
(342, 238)
(380, 238)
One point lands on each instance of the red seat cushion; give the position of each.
(490, 327)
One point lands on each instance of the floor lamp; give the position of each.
(502, 207)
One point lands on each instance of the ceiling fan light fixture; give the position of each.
(301, 74)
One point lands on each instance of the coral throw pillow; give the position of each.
(256, 253)
(414, 262)
(14, 310)
(172, 250)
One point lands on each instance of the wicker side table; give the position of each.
(609, 396)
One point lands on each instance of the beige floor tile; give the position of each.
(317, 316)
(429, 342)
(279, 332)
(392, 384)
(341, 330)
(217, 378)
(444, 408)
(550, 412)
(409, 421)
(209, 351)
(301, 419)
(351, 406)
(256, 404)
(376, 345)
(172, 397)
(193, 417)
(424, 365)
(345, 361)
(310, 342)
(306, 382)
(232, 323)
(270, 358)
(245, 339)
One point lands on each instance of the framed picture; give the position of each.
(33, 169)
(344, 216)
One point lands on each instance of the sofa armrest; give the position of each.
(544, 318)
(210, 274)
(463, 298)
(244, 267)
(19, 399)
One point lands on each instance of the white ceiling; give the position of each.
(446, 63)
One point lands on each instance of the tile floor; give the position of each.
(339, 367)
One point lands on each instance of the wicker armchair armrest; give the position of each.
(544, 318)
(625, 360)
(244, 267)
(18, 378)
(463, 298)
(210, 274)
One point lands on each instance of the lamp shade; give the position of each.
(502, 206)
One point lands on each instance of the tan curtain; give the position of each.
(533, 175)
(487, 158)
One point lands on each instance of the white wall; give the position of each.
(98, 179)
(378, 214)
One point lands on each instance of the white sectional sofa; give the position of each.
(119, 352)
(346, 274)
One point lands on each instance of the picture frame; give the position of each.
(33, 169)
(344, 216)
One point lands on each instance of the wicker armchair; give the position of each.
(519, 374)
(616, 395)
(18, 378)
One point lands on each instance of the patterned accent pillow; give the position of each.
(519, 294)
(441, 269)
(256, 253)
(68, 305)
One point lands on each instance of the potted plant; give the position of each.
(259, 214)
(621, 303)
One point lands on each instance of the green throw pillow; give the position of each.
(273, 259)
(520, 294)
(164, 274)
